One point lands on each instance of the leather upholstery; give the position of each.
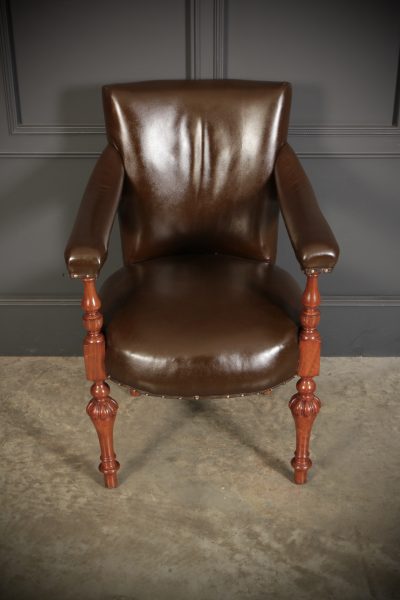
(87, 246)
(201, 325)
(197, 171)
(312, 238)
(198, 156)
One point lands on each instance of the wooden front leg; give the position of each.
(305, 405)
(102, 409)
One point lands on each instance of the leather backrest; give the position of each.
(198, 158)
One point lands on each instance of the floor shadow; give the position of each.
(74, 462)
(203, 408)
(135, 463)
(207, 410)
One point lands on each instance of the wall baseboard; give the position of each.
(350, 326)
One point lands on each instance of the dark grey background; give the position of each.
(343, 61)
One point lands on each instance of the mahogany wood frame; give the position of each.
(305, 405)
(102, 409)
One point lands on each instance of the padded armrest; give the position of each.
(87, 246)
(312, 238)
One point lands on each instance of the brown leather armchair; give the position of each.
(198, 171)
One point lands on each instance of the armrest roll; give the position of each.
(87, 246)
(312, 239)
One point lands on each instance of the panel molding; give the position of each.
(345, 130)
(42, 301)
(96, 154)
(396, 104)
(12, 101)
(192, 40)
(348, 130)
(9, 80)
(328, 300)
(201, 16)
(219, 62)
(206, 38)
(10, 75)
(54, 329)
(361, 301)
(206, 41)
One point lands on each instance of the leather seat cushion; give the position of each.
(201, 325)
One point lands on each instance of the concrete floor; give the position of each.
(206, 509)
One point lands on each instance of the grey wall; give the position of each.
(343, 61)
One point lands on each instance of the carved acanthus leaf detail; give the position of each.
(303, 407)
(102, 409)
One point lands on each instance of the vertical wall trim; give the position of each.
(219, 39)
(9, 68)
(396, 107)
(205, 23)
(192, 39)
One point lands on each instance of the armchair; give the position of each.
(198, 172)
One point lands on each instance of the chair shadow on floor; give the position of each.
(204, 409)
(52, 442)
(234, 430)
(76, 461)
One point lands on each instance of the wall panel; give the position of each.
(64, 56)
(341, 57)
(343, 61)
(57, 55)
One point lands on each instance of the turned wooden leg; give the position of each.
(305, 405)
(102, 409)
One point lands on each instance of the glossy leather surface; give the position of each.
(312, 238)
(197, 171)
(198, 156)
(87, 246)
(201, 325)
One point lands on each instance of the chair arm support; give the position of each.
(87, 246)
(312, 239)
